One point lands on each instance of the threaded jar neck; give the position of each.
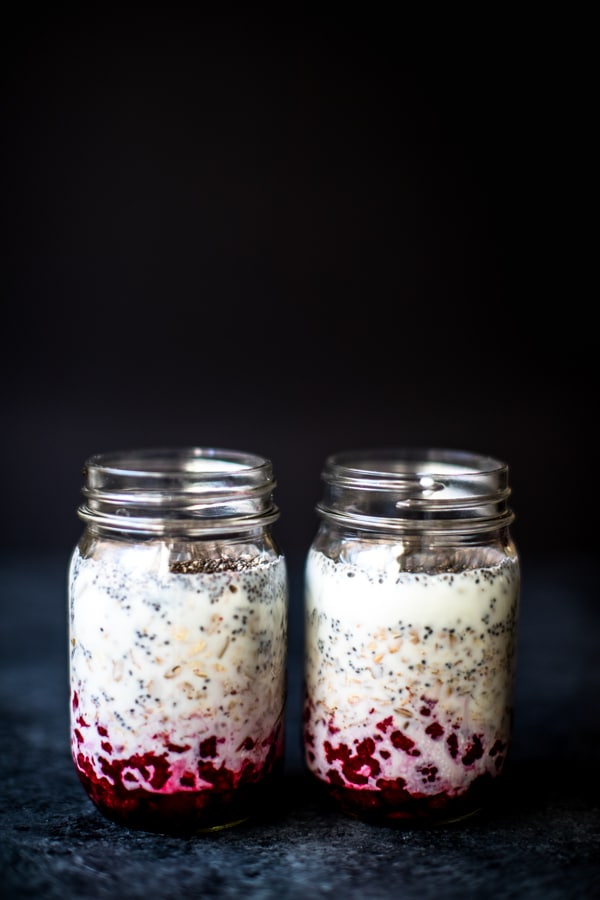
(416, 490)
(188, 491)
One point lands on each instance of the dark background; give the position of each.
(296, 233)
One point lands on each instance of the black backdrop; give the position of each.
(295, 234)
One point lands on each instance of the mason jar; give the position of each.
(178, 600)
(411, 615)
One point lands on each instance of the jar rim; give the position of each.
(421, 488)
(202, 463)
(409, 462)
(190, 490)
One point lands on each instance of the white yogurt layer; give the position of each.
(408, 676)
(163, 663)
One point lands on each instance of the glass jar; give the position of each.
(411, 614)
(178, 627)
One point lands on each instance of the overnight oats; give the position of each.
(178, 637)
(411, 615)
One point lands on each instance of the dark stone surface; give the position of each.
(541, 840)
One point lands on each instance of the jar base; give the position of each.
(381, 808)
(187, 813)
(182, 829)
(408, 822)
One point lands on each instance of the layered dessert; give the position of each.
(177, 666)
(409, 679)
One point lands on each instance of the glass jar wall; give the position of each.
(178, 634)
(411, 613)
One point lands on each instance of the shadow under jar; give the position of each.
(178, 599)
(412, 590)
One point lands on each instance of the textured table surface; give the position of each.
(542, 840)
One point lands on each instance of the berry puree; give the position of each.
(177, 684)
(409, 684)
